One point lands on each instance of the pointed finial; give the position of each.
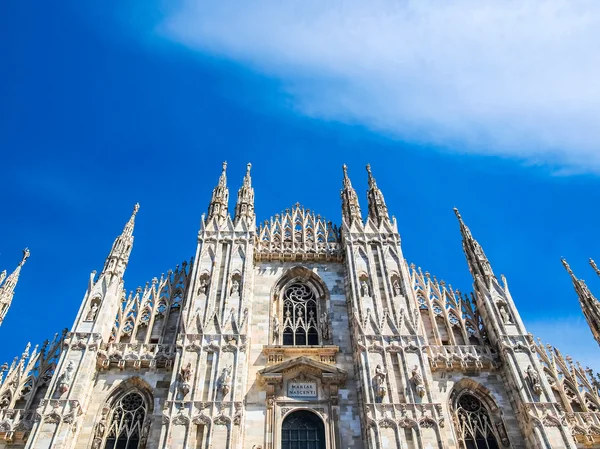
(372, 182)
(594, 266)
(567, 267)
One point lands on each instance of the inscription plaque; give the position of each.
(304, 390)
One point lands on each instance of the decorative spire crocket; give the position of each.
(220, 198)
(378, 211)
(479, 264)
(7, 289)
(350, 206)
(117, 259)
(588, 302)
(244, 206)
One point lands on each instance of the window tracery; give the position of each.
(473, 424)
(127, 422)
(300, 316)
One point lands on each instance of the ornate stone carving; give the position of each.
(64, 381)
(185, 375)
(534, 380)
(417, 380)
(379, 382)
(225, 380)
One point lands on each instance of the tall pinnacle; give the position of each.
(117, 259)
(595, 267)
(378, 211)
(244, 206)
(479, 264)
(220, 198)
(350, 206)
(589, 304)
(7, 290)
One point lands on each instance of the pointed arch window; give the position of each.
(300, 316)
(474, 426)
(127, 422)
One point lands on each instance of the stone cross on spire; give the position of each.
(7, 290)
(378, 211)
(479, 265)
(350, 207)
(588, 302)
(117, 259)
(244, 206)
(220, 198)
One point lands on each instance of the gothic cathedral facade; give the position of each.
(297, 334)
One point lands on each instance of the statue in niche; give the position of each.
(91, 315)
(203, 285)
(325, 326)
(364, 288)
(4, 402)
(275, 329)
(396, 287)
(534, 379)
(235, 288)
(65, 378)
(380, 376)
(100, 429)
(185, 375)
(505, 315)
(225, 380)
(417, 380)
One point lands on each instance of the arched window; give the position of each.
(126, 422)
(302, 430)
(475, 427)
(300, 316)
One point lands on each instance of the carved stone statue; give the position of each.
(99, 430)
(417, 380)
(225, 380)
(534, 379)
(235, 288)
(364, 288)
(203, 285)
(185, 375)
(380, 376)
(91, 315)
(275, 329)
(65, 378)
(396, 287)
(325, 326)
(505, 315)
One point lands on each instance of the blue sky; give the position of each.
(104, 106)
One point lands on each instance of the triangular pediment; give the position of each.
(323, 370)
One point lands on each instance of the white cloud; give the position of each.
(516, 78)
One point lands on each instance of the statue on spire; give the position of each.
(220, 198)
(378, 211)
(588, 302)
(479, 265)
(117, 259)
(7, 289)
(350, 207)
(244, 206)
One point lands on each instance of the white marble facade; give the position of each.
(297, 334)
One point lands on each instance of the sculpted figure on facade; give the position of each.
(235, 287)
(276, 329)
(396, 287)
(417, 380)
(225, 380)
(505, 315)
(91, 316)
(325, 326)
(185, 377)
(364, 288)
(379, 381)
(64, 381)
(534, 379)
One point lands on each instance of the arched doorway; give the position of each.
(302, 430)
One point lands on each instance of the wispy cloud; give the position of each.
(516, 78)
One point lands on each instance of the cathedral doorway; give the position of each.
(302, 430)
